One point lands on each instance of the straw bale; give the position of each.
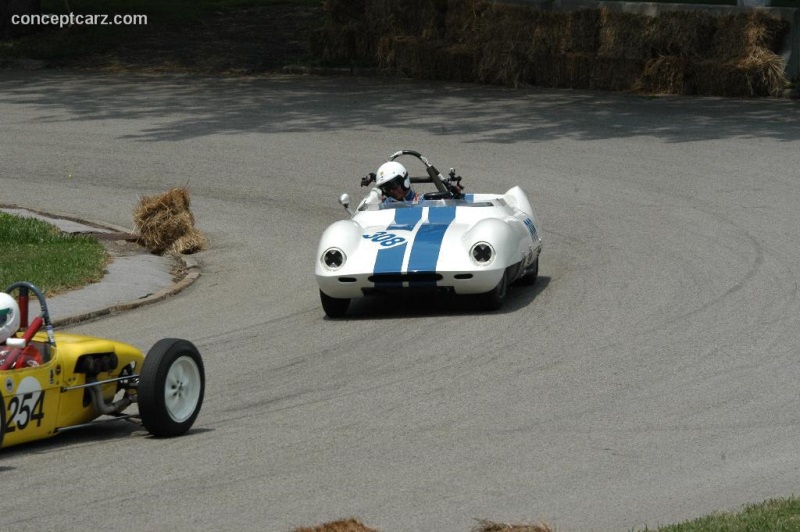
(351, 43)
(667, 75)
(681, 33)
(582, 28)
(756, 75)
(462, 18)
(342, 525)
(485, 525)
(161, 220)
(737, 35)
(406, 17)
(420, 58)
(344, 11)
(622, 35)
(191, 242)
(547, 70)
(615, 74)
(550, 32)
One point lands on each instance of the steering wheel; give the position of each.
(23, 288)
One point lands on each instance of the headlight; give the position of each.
(482, 253)
(333, 258)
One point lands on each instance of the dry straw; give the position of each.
(342, 525)
(674, 52)
(490, 526)
(165, 223)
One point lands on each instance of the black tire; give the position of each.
(334, 307)
(531, 274)
(494, 299)
(171, 387)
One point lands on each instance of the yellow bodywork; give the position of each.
(38, 401)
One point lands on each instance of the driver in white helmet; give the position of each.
(14, 357)
(9, 317)
(393, 181)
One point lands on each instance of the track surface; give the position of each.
(649, 377)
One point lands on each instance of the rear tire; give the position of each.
(171, 387)
(495, 298)
(334, 307)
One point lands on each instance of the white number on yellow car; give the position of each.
(26, 407)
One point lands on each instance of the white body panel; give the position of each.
(427, 245)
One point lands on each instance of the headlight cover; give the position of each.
(333, 258)
(482, 253)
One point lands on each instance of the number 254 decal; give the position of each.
(23, 409)
(385, 238)
(26, 406)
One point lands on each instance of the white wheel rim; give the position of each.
(182, 389)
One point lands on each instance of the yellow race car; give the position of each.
(54, 382)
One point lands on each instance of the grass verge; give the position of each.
(773, 515)
(35, 251)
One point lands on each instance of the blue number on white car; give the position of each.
(385, 239)
(531, 229)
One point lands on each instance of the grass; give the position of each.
(773, 515)
(35, 251)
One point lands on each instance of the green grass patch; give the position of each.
(35, 251)
(773, 515)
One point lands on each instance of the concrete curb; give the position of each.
(189, 265)
(192, 273)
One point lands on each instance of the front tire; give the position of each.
(495, 298)
(171, 387)
(531, 274)
(334, 307)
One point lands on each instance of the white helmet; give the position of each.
(390, 175)
(9, 317)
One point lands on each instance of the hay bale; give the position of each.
(484, 525)
(420, 58)
(582, 31)
(738, 35)
(344, 11)
(681, 34)
(352, 43)
(615, 74)
(461, 19)
(667, 75)
(161, 221)
(342, 525)
(424, 18)
(622, 35)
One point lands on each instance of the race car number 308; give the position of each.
(385, 239)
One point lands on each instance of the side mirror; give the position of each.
(344, 201)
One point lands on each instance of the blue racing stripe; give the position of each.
(390, 260)
(428, 242)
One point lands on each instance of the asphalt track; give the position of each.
(649, 377)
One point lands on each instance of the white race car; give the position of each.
(446, 240)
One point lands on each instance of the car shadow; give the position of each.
(114, 429)
(421, 305)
